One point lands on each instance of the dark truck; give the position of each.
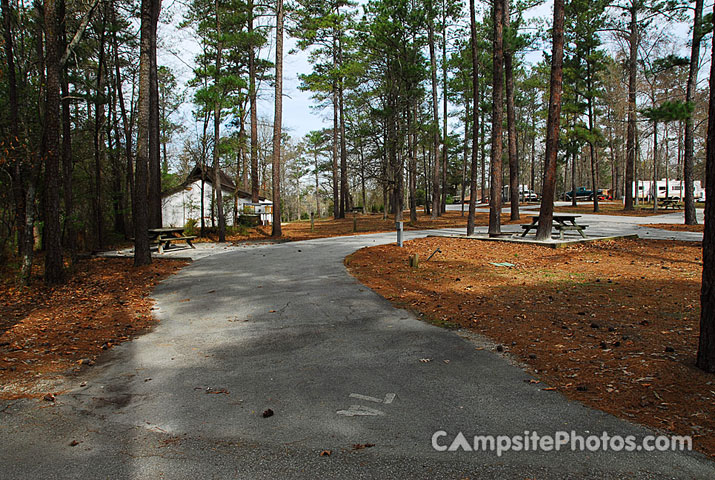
(580, 193)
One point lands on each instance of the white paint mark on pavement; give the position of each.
(360, 411)
(365, 397)
(389, 398)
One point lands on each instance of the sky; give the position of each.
(177, 50)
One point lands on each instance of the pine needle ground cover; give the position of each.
(611, 324)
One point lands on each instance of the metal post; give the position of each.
(355, 222)
(398, 226)
(312, 221)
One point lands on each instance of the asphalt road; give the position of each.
(286, 327)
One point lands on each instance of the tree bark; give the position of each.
(277, 120)
(217, 187)
(511, 118)
(445, 133)
(67, 160)
(154, 127)
(54, 268)
(344, 188)
(254, 108)
(142, 253)
(18, 187)
(573, 178)
(706, 347)
(475, 120)
(654, 189)
(591, 144)
(127, 125)
(465, 152)
(436, 208)
(412, 147)
(317, 185)
(546, 213)
(336, 176)
(631, 135)
(689, 203)
(99, 138)
(495, 192)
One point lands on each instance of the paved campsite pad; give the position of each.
(284, 327)
(594, 320)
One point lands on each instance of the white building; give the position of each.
(668, 188)
(183, 202)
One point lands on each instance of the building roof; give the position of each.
(227, 184)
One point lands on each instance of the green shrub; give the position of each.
(190, 226)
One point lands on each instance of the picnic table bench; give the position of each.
(562, 223)
(673, 203)
(162, 237)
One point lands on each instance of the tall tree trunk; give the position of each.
(254, 108)
(336, 181)
(511, 117)
(54, 268)
(67, 161)
(317, 184)
(154, 127)
(99, 138)
(631, 135)
(426, 167)
(483, 148)
(127, 125)
(445, 133)
(654, 190)
(592, 127)
(465, 152)
(532, 181)
(495, 193)
(706, 347)
(277, 120)
(217, 184)
(344, 188)
(140, 206)
(18, 188)
(546, 213)
(362, 176)
(475, 121)
(690, 217)
(412, 148)
(436, 209)
(204, 154)
(120, 225)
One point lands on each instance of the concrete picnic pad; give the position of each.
(285, 327)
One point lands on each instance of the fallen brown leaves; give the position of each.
(46, 331)
(366, 223)
(676, 227)
(611, 324)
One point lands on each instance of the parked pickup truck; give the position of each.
(580, 193)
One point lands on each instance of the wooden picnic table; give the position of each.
(164, 236)
(673, 203)
(562, 223)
